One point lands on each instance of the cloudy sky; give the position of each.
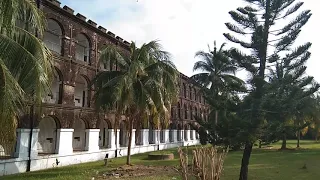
(182, 26)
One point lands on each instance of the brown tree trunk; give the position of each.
(259, 83)
(115, 133)
(216, 117)
(130, 141)
(260, 144)
(284, 141)
(245, 161)
(298, 139)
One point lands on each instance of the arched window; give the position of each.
(190, 92)
(184, 90)
(55, 96)
(47, 136)
(191, 112)
(123, 137)
(195, 94)
(196, 111)
(52, 36)
(104, 134)
(81, 92)
(82, 48)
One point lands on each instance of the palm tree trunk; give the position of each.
(245, 161)
(130, 141)
(298, 139)
(216, 117)
(116, 133)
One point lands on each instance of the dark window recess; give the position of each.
(104, 136)
(77, 138)
(110, 66)
(84, 98)
(60, 93)
(77, 100)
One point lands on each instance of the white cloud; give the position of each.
(182, 26)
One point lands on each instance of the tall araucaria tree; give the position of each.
(263, 38)
(145, 86)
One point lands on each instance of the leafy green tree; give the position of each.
(26, 65)
(315, 125)
(228, 131)
(144, 87)
(258, 25)
(288, 96)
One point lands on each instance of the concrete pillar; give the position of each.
(64, 141)
(187, 135)
(144, 135)
(118, 138)
(166, 135)
(111, 139)
(181, 135)
(174, 135)
(156, 136)
(23, 139)
(133, 142)
(193, 134)
(92, 140)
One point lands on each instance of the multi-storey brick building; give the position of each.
(69, 128)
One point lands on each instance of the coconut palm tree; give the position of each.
(217, 74)
(144, 87)
(25, 62)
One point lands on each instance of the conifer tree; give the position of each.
(267, 41)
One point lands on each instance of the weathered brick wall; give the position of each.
(66, 114)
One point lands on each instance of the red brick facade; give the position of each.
(69, 69)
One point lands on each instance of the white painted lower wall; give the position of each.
(40, 162)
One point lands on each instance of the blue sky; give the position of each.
(182, 26)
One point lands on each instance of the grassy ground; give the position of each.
(265, 164)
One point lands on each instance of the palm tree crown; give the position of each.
(218, 69)
(144, 86)
(218, 75)
(26, 65)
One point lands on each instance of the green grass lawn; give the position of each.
(264, 165)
